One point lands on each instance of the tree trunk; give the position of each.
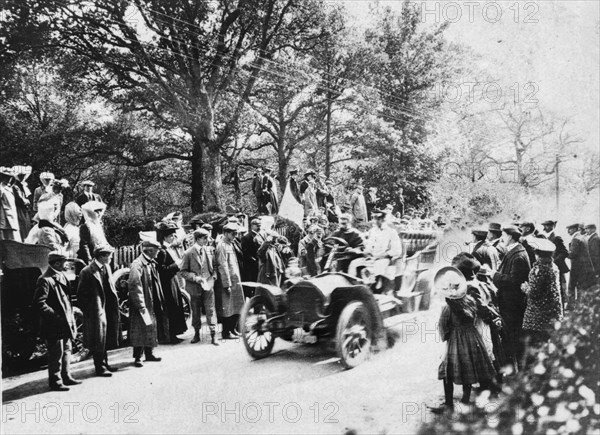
(236, 185)
(328, 136)
(282, 161)
(197, 200)
(213, 184)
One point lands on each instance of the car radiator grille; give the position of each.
(305, 304)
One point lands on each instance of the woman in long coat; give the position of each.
(544, 304)
(168, 268)
(91, 233)
(232, 294)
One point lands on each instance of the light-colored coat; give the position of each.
(192, 265)
(140, 298)
(229, 274)
(358, 207)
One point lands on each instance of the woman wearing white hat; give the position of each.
(91, 233)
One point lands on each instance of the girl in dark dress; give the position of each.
(466, 362)
(168, 268)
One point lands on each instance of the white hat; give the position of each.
(450, 283)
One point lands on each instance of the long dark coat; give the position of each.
(561, 253)
(250, 243)
(582, 270)
(98, 300)
(167, 270)
(141, 296)
(22, 204)
(514, 271)
(594, 249)
(52, 301)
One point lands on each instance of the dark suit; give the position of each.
(514, 271)
(99, 302)
(594, 249)
(250, 243)
(57, 323)
(559, 256)
(295, 190)
(84, 197)
(560, 253)
(582, 270)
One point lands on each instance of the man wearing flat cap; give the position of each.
(98, 300)
(146, 304)
(483, 251)
(384, 246)
(198, 268)
(88, 193)
(593, 248)
(232, 294)
(582, 270)
(513, 271)
(494, 236)
(57, 323)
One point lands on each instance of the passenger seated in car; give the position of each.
(352, 236)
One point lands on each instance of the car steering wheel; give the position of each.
(335, 241)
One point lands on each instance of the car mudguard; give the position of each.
(341, 296)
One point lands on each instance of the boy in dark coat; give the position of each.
(57, 323)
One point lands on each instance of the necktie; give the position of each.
(208, 262)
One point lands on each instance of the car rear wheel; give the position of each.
(257, 338)
(354, 335)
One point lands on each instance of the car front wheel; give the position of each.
(258, 339)
(354, 335)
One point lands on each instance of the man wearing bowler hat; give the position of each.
(57, 323)
(146, 303)
(88, 193)
(582, 270)
(495, 239)
(513, 271)
(99, 302)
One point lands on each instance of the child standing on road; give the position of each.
(466, 361)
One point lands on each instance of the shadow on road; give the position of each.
(40, 386)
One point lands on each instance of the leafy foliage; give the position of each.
(557, 394)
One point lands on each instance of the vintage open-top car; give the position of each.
(350, 310)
